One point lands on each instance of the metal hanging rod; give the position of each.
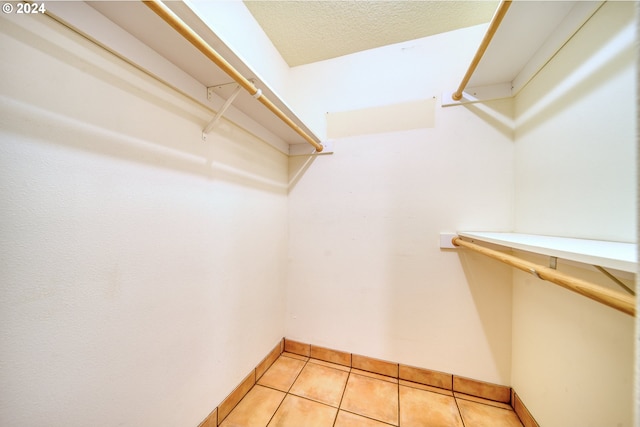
(501, 11)
(199, 43)
(622, 302)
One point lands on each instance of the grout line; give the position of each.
(271, 388)
(297, 376)
(312, 400)
(335, 419)
(286, 393)
(276, 411)
(369, 418)
(398, 384)
(344, 391)
(459, 412)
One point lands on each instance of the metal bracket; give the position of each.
(221, 111)
(553, 262)
(479, 94)
(211, 90)
(615, 280)
(307, 150)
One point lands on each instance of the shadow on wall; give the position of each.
(490, 285)
(568, 348)
(298, 165)
(82, 106)
(498, 114)
(610, 52)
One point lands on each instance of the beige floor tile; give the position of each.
(479, 415)
(372, 398)
(347, 419)
(255, 409)
(282, 373)
(320, 383)
(298, 412)
(421, 408)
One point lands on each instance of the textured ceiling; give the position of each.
(307, 31)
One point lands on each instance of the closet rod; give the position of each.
(614, 299)
(192, 37)
(491, 31)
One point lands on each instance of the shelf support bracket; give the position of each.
(221, 112)
(615, 279)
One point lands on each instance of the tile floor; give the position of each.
(300, 392)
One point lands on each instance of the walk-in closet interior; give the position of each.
(318, 213)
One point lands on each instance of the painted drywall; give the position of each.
(575, 123)
(142, 270)
(573, 358)
(366, 273)
(576, 177)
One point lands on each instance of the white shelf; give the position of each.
(616, 255)
(135, 33)
(529, 36)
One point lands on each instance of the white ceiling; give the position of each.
(306, 31)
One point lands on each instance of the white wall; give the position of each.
(142, 270)
(575, 124)
(365, 270)
(576, 176)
